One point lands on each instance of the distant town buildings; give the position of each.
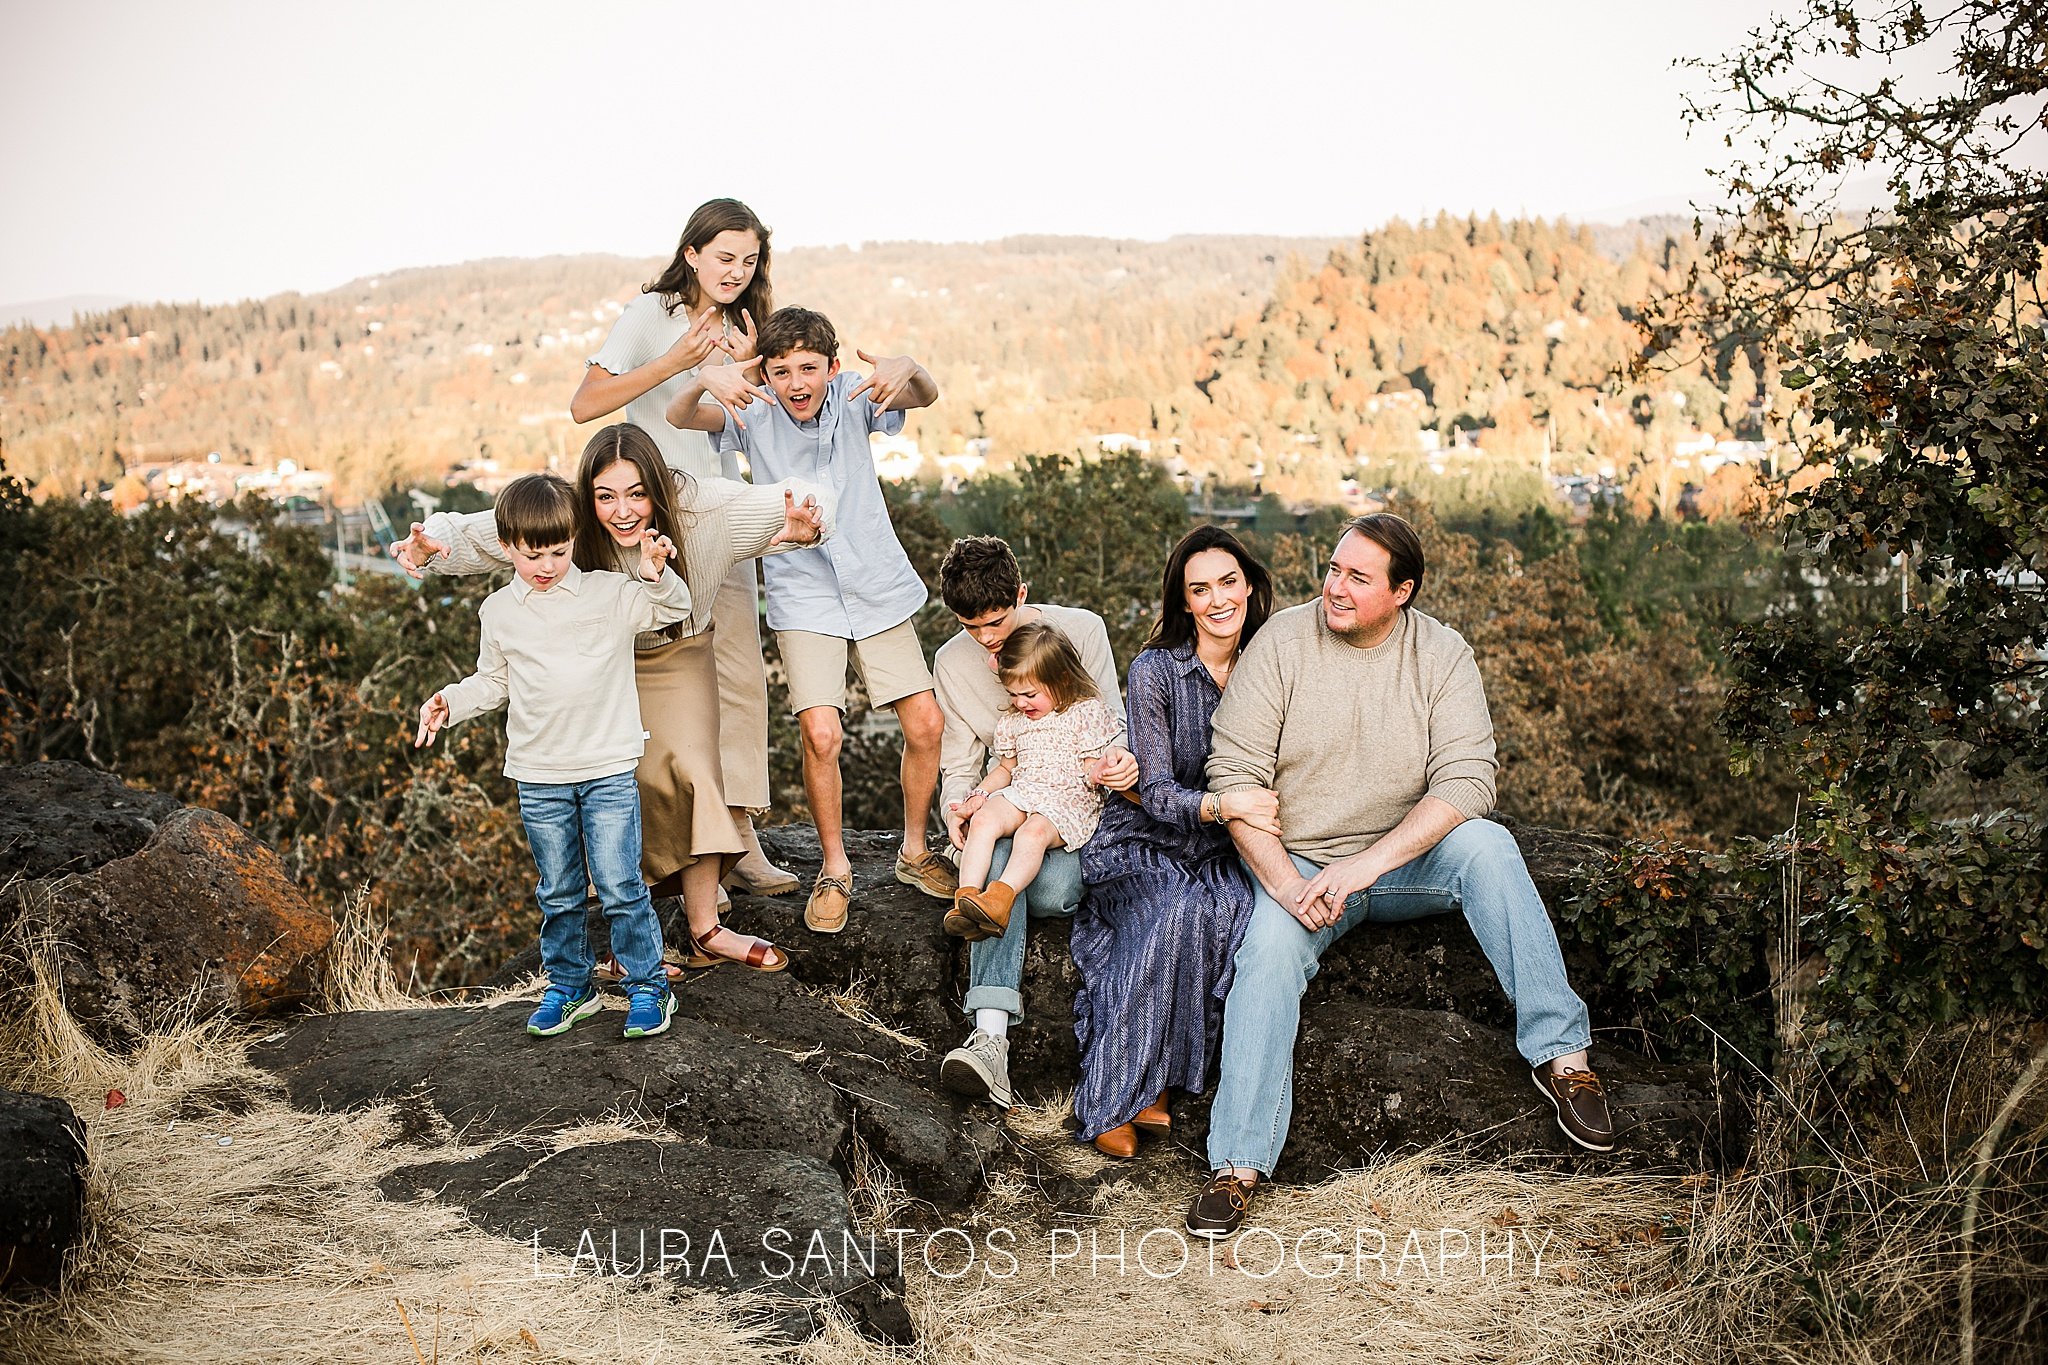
(214, 480)
(897, 459)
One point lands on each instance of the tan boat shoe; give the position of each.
(825, 912)
(929, 873)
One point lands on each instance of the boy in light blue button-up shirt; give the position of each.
(854, 595)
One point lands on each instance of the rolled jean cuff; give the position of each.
(1005, 998)
(1260, 1166)
(1550, 1055)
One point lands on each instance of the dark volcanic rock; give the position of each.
(781, 1099)
(931, 1141)
(730, 1220)
(65, 817)
(1370, 1080)
(893, 946)
(42, 1186)
(794, 1100)
(484, 1076)
(892, 949)
(916, 978)
(203, 917)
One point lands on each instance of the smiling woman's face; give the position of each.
(620, 501)
(1216, 592)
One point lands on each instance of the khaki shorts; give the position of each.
(891, 665)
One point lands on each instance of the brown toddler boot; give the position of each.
(988, 909)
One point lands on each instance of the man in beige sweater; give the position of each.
(1369, 719)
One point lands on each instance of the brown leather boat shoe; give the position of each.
(929, 873)
(1581, 1106)
(825, 912)
(1219, 1210)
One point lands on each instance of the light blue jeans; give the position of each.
(995, 966)
(586, 834)
(1478, 868)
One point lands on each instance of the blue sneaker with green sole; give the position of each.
(559, 1010)
(650, 1011)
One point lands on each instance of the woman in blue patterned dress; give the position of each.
(1167, 899)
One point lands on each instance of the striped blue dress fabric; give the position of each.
(1165, 905)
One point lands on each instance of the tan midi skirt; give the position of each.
(683, 815)
(742, 690)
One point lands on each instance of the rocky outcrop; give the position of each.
(785, 1120)
(42, 1186)
(65, 817)
(769, 1114)
(1420, 1036)
(203, 918)
(1425, 1024)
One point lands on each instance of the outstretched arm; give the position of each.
(715, 393)
(453, 543)
(602, 392)
(484, 690)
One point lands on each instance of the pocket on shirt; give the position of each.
(593, 638)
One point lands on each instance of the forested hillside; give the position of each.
(1459, 349)
(1512, 339)
(1034, 341)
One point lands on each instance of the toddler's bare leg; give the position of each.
(993, 821)
(1028, 844)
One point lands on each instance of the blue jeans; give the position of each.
(1478, 868)
(995, 966)
(586, 834)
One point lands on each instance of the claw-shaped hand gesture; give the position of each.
(730, 387)
(888, 379)
(803, 523)
(739, 344)
(706, 334)
(412, 553)
(655, 552)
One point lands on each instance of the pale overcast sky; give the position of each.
(222, 150)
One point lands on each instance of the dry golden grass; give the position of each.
(854, 1002)
(227, 1227)
(359, 973)
(278, 1246)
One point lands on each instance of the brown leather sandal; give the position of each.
(608, 969)
(761, 955)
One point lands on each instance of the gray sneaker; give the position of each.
(979, 1067)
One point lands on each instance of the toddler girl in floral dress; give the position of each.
(1041, 793)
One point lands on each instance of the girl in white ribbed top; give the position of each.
(702, 310)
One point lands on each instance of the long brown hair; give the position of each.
(1039, 651)
(595, 548)
(677, 285)
(1176, 624)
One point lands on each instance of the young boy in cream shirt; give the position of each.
(557, 646)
